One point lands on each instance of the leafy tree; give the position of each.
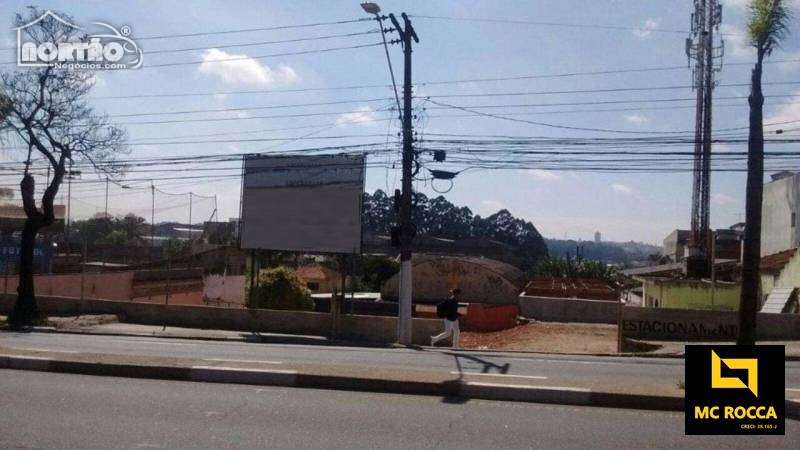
(767, 26)
(572, 268)
(280, 288)
(49, 112)
(376, 270)
(438, 217)
(523, 235)
(176, 248)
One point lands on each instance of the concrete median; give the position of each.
(342, 377)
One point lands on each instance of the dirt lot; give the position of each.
(547, 337)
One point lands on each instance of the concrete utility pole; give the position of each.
(190, 216)
(152, 215)
(702, 53)
(106, 211)
(404, 332)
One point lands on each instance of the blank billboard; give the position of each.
(303, 203)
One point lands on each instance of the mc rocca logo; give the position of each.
(720, 382)
(113, 50)
(732, 389)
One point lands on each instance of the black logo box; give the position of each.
(699, 393)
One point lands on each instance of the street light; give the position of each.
(374, 9)
(371, 8)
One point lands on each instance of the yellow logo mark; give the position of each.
(720, 382)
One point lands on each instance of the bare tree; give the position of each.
(48, 111)
(767, 27)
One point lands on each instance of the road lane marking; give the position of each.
(480, 374)
(40, 358)
(527, 386)
(259, 361)
(141, 341)
(245, 369)
(31, 349)
(793, 389)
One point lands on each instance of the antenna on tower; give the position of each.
(705, 59)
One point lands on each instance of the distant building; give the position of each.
(481, 280)
(779, 230)
(727, 245)
(319, 278)
(675, 245)
(597, 238)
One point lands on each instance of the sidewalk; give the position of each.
(109, 325)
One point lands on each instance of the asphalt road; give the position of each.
(620, 368)
(49, 410)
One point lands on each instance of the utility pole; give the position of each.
(106, 213)
(153, 215)
(190, 216)
(404, 333)
(69, 201)
(703, 53)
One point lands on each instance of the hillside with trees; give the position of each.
(438, 217)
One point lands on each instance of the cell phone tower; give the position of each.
(705, 59)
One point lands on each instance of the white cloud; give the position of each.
(737, 4)
(736, 41)
(722, 199)
(244, 70)
(789, 67)
(491, 206)
(638, 119)
(544, 175)
(620, 188)
(364, 115)
(646, 30)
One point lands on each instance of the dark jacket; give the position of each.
(449, 309)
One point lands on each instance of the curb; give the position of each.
(291, 378)
(792, 409)
(334, 342)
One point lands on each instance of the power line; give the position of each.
(250, 30)
(437, 82)
(251, 108)
(252, 44)
(273, 55)
(550, 24)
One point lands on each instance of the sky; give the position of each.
(567, 37)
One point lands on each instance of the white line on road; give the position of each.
(259, 361)
(480, 374)
(243, 369)
(128, 341)
(38, 358)
(525, 386)
(31, 349)
(793, 389)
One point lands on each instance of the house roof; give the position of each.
(313, 272)
(507, 271)
(775, 262)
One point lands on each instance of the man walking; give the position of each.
(448, 311)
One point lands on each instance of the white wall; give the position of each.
(780, 200)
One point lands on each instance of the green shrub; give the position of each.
(280, 288)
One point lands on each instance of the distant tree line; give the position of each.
(440, 218)
(621, 253)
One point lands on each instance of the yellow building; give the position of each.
(689, 294)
